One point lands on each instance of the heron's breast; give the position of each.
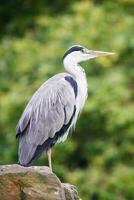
(82, 93)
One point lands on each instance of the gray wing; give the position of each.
(50, 108)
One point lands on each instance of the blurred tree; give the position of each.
(18, 16)
(100, 153)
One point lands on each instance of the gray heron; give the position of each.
(53, 109)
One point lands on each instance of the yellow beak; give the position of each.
(100, 53)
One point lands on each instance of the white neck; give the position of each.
(73, 68)
(78, 73)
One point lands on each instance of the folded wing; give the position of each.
(48, 115)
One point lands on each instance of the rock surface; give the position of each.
(33, 183)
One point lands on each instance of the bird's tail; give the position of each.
(26, 151)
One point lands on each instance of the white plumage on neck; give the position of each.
(71, 64)
(72, 67)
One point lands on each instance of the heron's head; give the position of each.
(77, 54)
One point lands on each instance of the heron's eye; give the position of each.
(83, 50)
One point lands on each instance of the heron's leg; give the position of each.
(49, 158)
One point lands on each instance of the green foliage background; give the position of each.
(99, 157)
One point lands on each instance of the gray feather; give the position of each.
(48, 110)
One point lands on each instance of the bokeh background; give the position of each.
(99, 157)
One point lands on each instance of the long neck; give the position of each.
(74, 69)
(79, 74)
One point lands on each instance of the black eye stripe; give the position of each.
(74, 48)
